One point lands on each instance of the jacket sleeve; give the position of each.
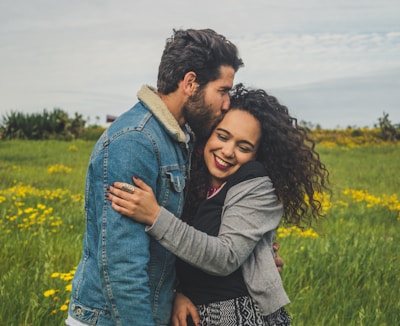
(251, 209)
(124, 245)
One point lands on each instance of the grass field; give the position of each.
(344, 272)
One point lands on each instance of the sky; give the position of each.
(333, 63)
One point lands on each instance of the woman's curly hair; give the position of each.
(286, 151)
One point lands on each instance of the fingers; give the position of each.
(124, 187)
(184, 310)
(279, 262)
(179, 319)
(128, 188)
(275, 247)
(194, 314)
(174, 321)
(139, 203)
(120, 209)
(141, 184)
(121, 201)
(117, 203)
(125, 191)
(117, 194)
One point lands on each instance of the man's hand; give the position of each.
(182, 308)
(278, 260)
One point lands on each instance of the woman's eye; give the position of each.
(245, 149)
(222, 137)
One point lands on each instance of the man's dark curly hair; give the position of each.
(286, 151)
(202, 51)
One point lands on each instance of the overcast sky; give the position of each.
(335, 63)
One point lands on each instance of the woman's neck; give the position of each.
(212, 190)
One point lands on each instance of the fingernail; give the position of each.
(108, 188)
(107, 195)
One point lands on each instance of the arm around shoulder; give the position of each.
(251, 209)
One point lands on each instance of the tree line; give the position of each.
(57, 124)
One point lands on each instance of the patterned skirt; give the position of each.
(241, 311)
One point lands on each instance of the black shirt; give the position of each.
(200, 287)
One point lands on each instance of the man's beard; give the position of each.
(198, 114)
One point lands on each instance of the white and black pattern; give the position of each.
(278, 318)
(239, 312)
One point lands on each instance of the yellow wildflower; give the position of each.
(49, 293)
(64, 307)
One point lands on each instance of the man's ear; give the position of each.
(189, 83)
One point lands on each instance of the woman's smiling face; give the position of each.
(233, 143)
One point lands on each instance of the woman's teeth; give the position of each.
(221, 162)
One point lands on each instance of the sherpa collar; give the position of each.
(148, 95)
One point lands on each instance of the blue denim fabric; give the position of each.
(124, 276)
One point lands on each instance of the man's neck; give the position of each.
(175, 102)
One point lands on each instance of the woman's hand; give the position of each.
(183, 307)
(136, 202)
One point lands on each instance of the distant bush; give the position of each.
(92, 132)
(46, 125)
(357, 133)
(389, 132)
(384, 132)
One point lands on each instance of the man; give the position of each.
(124, 277)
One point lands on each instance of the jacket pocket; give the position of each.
(176, 179)
(85, 314)
(172, 187)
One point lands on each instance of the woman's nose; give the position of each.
(227, 150)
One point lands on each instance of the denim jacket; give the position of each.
(125, 277)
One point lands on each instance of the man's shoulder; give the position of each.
(136, 118)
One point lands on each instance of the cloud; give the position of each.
(293, 59)
(343, 102)
(92, 57)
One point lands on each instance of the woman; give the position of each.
(257, 167)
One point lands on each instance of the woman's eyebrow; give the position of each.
(241, 141)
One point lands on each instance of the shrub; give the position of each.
(45, 125)
(92, 132)
(388, 130)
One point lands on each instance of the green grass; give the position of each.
(348, 275)
(28, 161)
(372, 168)
(32, 253)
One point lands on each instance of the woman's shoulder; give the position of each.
(247, 171)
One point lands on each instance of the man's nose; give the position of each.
(226, 103)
